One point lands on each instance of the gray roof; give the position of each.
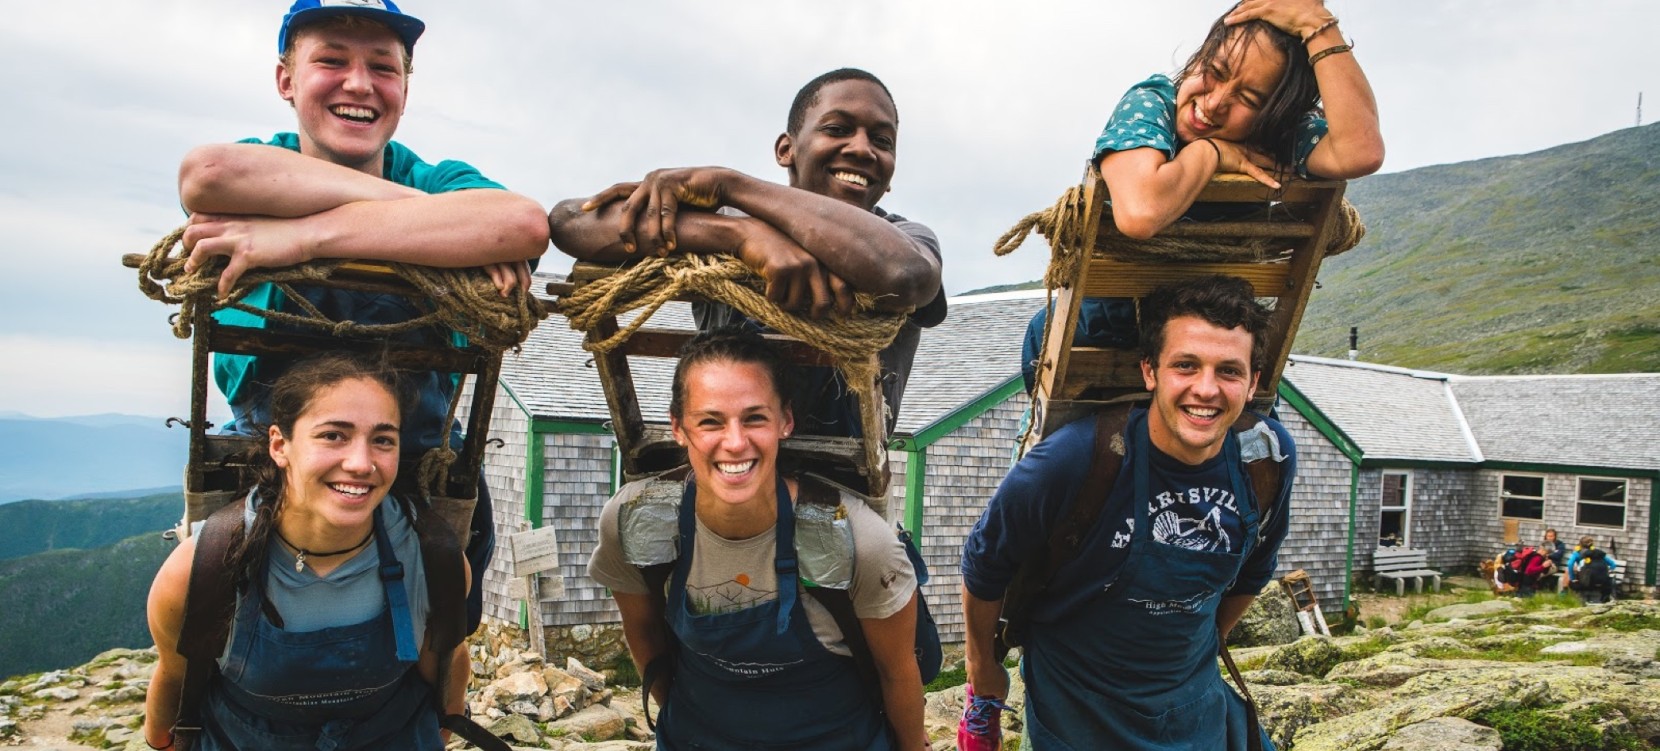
(1589, 420)
(554, 377)
(1392, 413)
(975, 350)
(1608, 421)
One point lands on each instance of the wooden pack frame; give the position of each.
(214, 461)
(1072, 380)
(647, 449)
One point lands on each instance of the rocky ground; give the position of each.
(1482, 676)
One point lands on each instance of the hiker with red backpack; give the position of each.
(719, 571)
(1121, 642)
(322, 592)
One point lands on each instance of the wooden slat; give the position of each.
(242, 340)
(1231, 188)
(1098, 367)
(666, 342)
(1221, 230)
(1109, 278)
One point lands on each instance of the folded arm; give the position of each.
(265, 206)
(1353, 144)
(854, 245)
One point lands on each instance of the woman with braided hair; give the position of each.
(329, 643)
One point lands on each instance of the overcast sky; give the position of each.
(999, 104)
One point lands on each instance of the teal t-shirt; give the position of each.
(1145, 118)
(245, 380)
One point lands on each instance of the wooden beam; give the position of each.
(1109, 278)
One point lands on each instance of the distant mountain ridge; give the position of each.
(1539, 263)
(46, 458)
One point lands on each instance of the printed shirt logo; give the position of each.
(1193, 519)
(1173, 607)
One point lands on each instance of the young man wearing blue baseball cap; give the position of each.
(340, 187)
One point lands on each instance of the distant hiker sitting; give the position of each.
(330, 642)
(709, 574)
(1582, 557)
(1554, 549)
(340, 187)
(1525, 570)
(1595, 580)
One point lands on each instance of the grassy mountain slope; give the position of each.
(65, 606)
(1538, 263)
(39, 526)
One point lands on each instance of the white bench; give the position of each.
(1400, 564)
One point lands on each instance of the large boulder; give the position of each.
(1471, 610)
(1271, 620)
(1445, 734)
(1310, 655)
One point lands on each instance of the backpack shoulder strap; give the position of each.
(441, 560)
(840, 601)
(1067, 537)
(209, 605)
(661, 667)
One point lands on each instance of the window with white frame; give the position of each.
(1395, 510)
(1601, 503)
(1522, 497)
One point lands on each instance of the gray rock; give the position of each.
(1269, 677)
(1310, 655)
(1445, 734)
(592, 680)
(596, 723)
(1471, 610)
(516, 728)
(61, 693)
(1271, 620)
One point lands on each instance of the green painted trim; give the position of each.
(508, 388)
(1650, 575)
(1354, 514)
(960, 416)
(535, 467)
(1320, 421)
(916, 482)
(547, 425)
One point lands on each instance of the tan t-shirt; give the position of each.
(731, 575)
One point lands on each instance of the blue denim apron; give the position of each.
(758, 678)
(1138, 661)
(345, 688)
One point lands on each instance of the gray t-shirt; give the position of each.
(896, 358)
(352, 592)
(731, 575)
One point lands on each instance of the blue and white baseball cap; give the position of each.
(407, 27)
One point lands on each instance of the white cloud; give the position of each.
(999, 104)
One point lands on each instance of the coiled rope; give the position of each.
(462, 300)
(648, 284)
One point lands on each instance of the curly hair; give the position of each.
(1225, 301)
(808, 95)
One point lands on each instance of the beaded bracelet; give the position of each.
(1330, 22)
(1332, 50)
